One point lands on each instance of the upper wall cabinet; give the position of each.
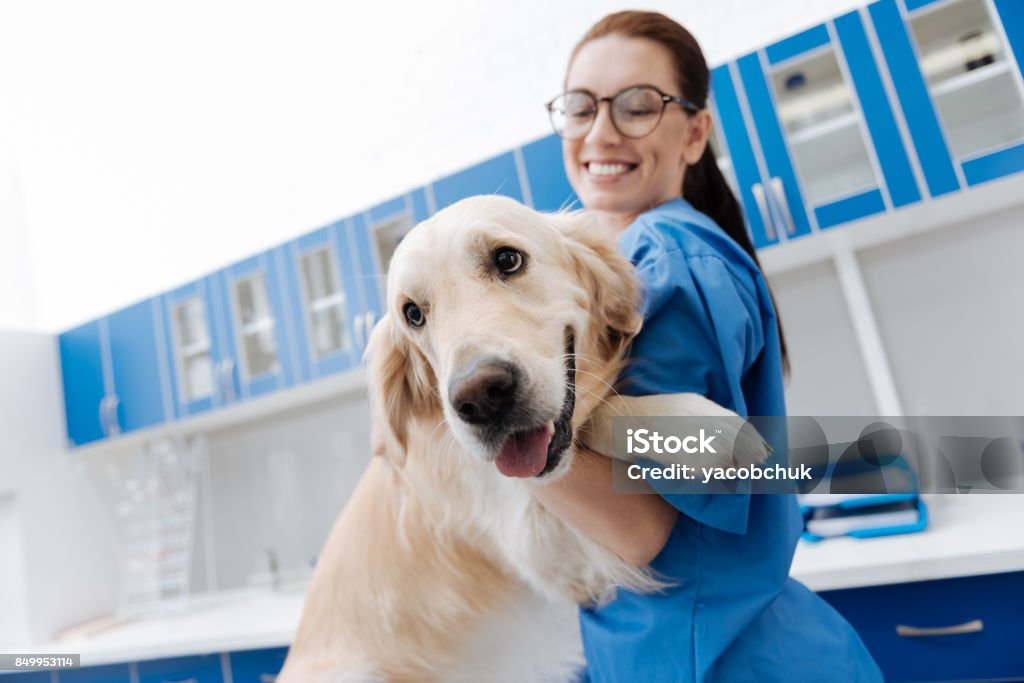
(226, 337)
(257, 343)
(830, 143)
(193, 340)
(323, 302)
(739, 162)
(114, 374)
(956, 66)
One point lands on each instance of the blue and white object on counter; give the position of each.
(865, 517)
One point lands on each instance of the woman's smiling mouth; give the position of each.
(608, 169)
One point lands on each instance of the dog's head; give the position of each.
(508, 323)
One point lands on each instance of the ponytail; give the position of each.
(705, 188)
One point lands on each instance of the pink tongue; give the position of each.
(524, 454)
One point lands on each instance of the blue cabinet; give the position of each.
(368, 283)
(114, 374)
(193, 340)
(738, 147)
(195, 669)
(378, 234)
(324, 303)
(956, 66)
(256, 346)
(949, 630)
(257, 666)
(109, 673)
(827, 132)
(138, 368)
(81, 360)
(226, 337)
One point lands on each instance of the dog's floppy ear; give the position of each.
(401, 386)
(608, 277)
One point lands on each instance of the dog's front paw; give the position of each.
(736, 440)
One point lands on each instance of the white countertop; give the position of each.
(225, 622)
(967, 535)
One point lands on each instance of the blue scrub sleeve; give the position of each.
(702, 331)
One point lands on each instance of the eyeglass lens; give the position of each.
(635, 112)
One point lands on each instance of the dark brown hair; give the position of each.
(704, 187)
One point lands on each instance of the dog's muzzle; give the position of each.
(489, 396)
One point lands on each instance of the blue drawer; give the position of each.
(198, 669)
(257, 666)
(991, 652)
(30, 677)
(109, 673)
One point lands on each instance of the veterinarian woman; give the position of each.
(635, 124)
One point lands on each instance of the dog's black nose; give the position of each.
(485, 391)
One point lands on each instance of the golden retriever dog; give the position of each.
(504, 333)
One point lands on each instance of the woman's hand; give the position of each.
(634, 527)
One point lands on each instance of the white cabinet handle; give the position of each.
(780, 197)
(762, 208)
(976, 626)
(104, 418)
(360, 332)
(226, 380)
(115, 426)
(108, 416)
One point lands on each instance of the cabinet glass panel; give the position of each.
(724, 161)
(971, 76)
(387, 235)
(823, 128)
(192, 337)
(257, 325)
(325, 304)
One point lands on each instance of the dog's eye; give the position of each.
(508, 260)
(413, 315)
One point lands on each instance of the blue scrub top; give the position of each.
(733, 613)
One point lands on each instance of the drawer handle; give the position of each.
(975, 626)
(779, 192)
(268, 678)
(757, 189)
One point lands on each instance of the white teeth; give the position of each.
(606, 169)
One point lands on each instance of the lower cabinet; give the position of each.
(257, 666)
(959, 629)
(196, 669)
(244, 666)
(108, 673)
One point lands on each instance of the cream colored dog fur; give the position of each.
(440, 568)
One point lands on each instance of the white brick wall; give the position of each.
(158, 142)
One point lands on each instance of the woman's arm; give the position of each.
(634, 527)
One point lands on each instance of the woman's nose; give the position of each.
(603, 131)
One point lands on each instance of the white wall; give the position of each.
(68, 566)
(157, 142)
(18, 308)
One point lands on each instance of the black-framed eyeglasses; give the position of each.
(635, 112)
